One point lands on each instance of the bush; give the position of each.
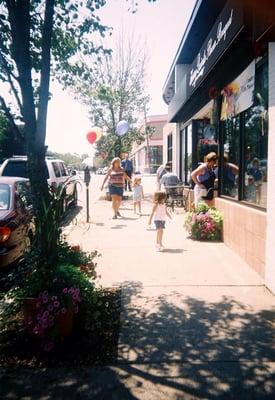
(204, 223)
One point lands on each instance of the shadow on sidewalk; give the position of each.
(70, 215)
(173, 251)
(222, 350)
(59, 383)
(174, 347)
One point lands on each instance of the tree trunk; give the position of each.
(35, 130)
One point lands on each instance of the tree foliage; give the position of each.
(40, 39)
(72, 160)
(115, 90)
(10, 143)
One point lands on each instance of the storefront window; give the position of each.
(207, 139)
(245, 139)
(186, 154)
(155, 158)
(231, 158)
(255, 142)
(189, 154)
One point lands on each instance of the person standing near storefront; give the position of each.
(127, 165)
(204, 178)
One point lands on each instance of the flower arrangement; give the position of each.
(44, 318)
(204, 223)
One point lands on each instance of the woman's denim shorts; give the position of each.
(160, 224)
(115, 190)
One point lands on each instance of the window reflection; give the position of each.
(189, 153)
(231, 161)
(256, 139)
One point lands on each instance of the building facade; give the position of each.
(148, 155)
(220, 93)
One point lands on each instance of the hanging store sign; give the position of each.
(223, 32)
(238, 96)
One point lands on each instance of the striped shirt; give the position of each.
(116, 178)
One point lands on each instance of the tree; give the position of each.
(10, 142)
(40, 38)
(115, 91)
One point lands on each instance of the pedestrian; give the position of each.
(117, 177)
(127, 165)
(204, 178)
(160, 172)
(159, 212)
(138, 194)
(169, 178)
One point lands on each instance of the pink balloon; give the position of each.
(91, 137)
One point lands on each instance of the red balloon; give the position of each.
(91, 137)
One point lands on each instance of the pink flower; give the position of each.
(48, 346)
(65, 290)
(56, 304)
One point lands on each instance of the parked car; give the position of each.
(57, 175)
(16, 219)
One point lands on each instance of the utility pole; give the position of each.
(147, 141)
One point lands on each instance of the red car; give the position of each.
(16, 219)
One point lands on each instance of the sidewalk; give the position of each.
(197, 322)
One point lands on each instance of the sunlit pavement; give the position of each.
(196, 323)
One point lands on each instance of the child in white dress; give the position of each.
(159, 212)
(138, 194)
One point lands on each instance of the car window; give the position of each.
(4, 197)
(16, 168)
(23, 190)
(56, 169)
(63, 170)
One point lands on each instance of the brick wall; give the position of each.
(270, 242)
(245, 232)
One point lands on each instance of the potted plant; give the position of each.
(204, 223)
(49, 316)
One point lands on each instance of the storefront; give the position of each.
(220, 93)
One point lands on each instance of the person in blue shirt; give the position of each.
(169, 178)
(127, 165)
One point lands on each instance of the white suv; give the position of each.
(57, 175)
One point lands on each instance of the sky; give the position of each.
(161, 25)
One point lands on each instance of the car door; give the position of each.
(68, 181)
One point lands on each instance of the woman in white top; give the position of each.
(159, 212)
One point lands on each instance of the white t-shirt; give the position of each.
(160, 213)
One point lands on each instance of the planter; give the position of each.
(29, 311)
(64, 323)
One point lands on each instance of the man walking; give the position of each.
(127, 165)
